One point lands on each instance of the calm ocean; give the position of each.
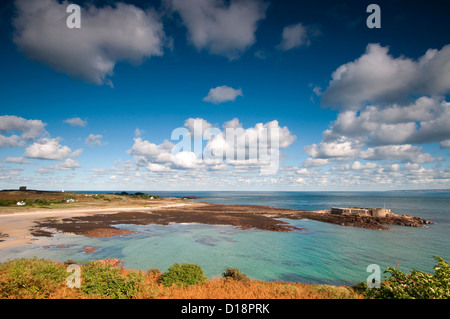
(323, 253)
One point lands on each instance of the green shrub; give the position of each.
(39, 278)
(28, 202)
(7, 202)
(183, 275)
(107, 281)
(41, 202)
(30, 278)
(234, 273)
(416, 285)
(13, 202)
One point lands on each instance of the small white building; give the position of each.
(70, 200)
(22, 203)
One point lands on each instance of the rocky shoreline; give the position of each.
(368, 222)
(241, 216)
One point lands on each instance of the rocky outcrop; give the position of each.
(242, 216)
(368, 222)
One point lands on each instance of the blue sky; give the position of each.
(94, 108)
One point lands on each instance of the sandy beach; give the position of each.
(16, 225)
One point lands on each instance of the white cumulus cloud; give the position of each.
(426, 120)
(445, 144)
(220, 27)
(68, 164)
(16, 160)
(76, 121)
(107, 35)
(158, 158)
(297, 35)
(387, 105)
(377, 76)
(94, 140)
(28, 130)
(197, 126)
(50, 149)
(222, 94)
(255, 147)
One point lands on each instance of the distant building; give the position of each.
(22, 188)
(22, 203)
(374, 212)
(340, 211)
(379, 212)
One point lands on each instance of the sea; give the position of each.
(321, 253)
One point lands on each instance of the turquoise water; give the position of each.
(323, 253)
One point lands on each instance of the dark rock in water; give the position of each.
(208, 241)
(3, 235)
(191, 197)
(89, 249)
(58, 246)
(39, 232)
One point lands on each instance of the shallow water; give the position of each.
(323, 253)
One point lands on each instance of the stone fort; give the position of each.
(374, 212)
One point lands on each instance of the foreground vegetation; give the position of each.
(415, 285)
(40, 278)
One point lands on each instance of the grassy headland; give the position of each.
(38, 200)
